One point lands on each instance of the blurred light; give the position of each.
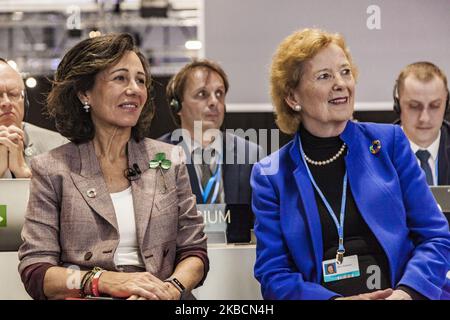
(13, 64)
(193, 45)
(31, 82)
(54, 63)
(94, 33)
(40, 46)
(17, 16)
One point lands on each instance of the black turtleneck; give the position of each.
(358, 238)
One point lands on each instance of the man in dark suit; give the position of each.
(421, 99)
(219, 163)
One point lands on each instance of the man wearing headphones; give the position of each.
(219, 163)
(421, 99)
(19, 141)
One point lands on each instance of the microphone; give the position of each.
(136, 168)
(133, 173)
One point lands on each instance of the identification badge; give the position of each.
(349, 268)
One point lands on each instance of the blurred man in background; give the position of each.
(421, 99)
(219, 163)
(19, 141)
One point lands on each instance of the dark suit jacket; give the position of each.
(236, 175)
(443, 154)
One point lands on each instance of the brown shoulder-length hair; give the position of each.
(287, 67)
(76, 73)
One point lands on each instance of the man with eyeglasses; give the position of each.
(19, 141)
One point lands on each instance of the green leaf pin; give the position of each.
(160, 161)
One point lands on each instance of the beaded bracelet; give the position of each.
(86, 281)
(83, 283)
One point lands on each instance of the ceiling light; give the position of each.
(31, 82)
(193, 45)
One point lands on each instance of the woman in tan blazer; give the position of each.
(112, 212)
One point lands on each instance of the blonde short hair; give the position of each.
(287, 67)
(423, 70)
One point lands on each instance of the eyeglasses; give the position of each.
(13, 96)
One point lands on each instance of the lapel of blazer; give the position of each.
(368, 191)
(90, 178)
(143, 189)
(230, 173)
(307, 199)
(191, 170)
(194, 182)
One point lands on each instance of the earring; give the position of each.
(297, 108)
(86, 106)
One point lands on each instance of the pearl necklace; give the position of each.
(325, 162)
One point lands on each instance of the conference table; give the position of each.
(230, 276)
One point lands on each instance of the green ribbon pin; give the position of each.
(3, 219)
(160, 161)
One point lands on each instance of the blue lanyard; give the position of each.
(214, 180)
(340, 224)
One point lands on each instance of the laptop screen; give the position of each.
(442, 196)
(240, 223)
(14, 195)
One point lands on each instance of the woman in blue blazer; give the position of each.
(342, 211)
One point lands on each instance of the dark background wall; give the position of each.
(161, 124)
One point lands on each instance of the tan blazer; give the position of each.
(67, 225)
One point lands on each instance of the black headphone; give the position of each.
(175, 105)
(26, 104)
(397, 100)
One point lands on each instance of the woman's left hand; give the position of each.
(135, 285)
(399, 295)
(171, 290)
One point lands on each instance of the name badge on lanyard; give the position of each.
(332, 271)
(341, 267)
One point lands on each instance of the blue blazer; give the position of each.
(391, 193)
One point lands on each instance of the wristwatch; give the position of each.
(177, 284)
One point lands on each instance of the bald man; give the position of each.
(19, 141)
